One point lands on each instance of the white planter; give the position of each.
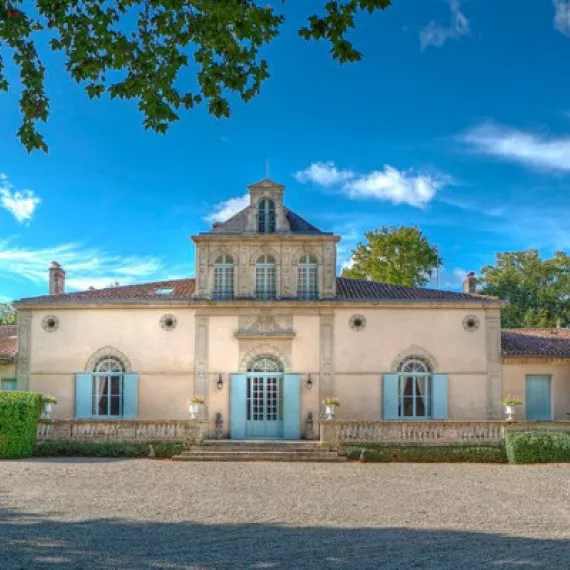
(47, 410)
(330, 412)
(510, 413)
(194, 410)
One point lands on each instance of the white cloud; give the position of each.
(84, 267)
(398, 187)
(437, 35)
(530, 149)
(390, 184)
(228, 208)
(324, 174)
(562, 16)
(20, 203)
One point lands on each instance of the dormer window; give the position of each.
(266, 216)
(223, 277)
(265, 277)
(308, 278)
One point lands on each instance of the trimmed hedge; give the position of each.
(538, 446)
(109, 449)
(427, 454)
(19, 415)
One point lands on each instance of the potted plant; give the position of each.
(194, 407)
(510, 403)
(47, 402)
(331, 405)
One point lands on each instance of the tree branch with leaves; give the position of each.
(395, 255)
(139, 49)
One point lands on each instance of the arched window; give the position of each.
(415, 388)
(266, 216)
(308, 278)
(265, 277)
(108, 388)
(223, 278)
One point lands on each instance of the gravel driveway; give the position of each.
(140, 514)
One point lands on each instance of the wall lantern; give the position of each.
(309, 383)
(220, 382)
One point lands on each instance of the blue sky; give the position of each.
(457, 120)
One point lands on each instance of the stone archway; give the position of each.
(259, 351)
(107, 352)
(414, 351)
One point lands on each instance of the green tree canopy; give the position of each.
(139, 49)
(396, 255)
(8, 315)
(537, 290)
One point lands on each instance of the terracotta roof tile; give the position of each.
(536, 342)
(357, 289)
(347, 289)
(174, 289)
(8, 342)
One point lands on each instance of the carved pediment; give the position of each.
(265, 325)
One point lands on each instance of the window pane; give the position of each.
(408, 407)
(115, 406)
(115, 385)
(103, 396)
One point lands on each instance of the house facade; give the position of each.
(8, 352)
(265, 332)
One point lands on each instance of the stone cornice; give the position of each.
(238, 303)
(535, 359)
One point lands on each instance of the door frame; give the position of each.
(277, 429)
(551, 402)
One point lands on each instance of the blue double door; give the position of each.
(538, 398)
(265, 405)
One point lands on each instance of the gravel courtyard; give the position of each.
(139, 514)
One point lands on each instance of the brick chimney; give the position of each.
(470, 284)
(56, 279)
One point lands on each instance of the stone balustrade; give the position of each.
(344, 432)
(190, 432)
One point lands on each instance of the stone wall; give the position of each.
(343, 432)
(123, 431)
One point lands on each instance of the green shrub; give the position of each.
(105, 449)
(19, 415)
(538, 446)
(427, 454)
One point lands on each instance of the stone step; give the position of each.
(262, 443)
(262, 448)
(237, 453)
(247, 456)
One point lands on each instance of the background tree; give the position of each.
(396, 255)
(8, 315)
(140, 49)
(537, 290)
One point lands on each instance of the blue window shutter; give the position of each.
(440, 383)
(390, 396)
(292, 406)
(9, 384)
(83, 395)
(130, 396)
(238, 406)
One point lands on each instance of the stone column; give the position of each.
(23, 362)
(326, 380)
(201, 364)
(494, 368)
